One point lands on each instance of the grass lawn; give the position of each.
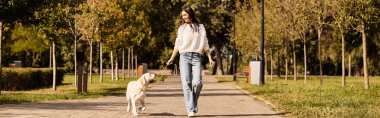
(313, 100)
(67, 91)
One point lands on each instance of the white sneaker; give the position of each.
(191, 114)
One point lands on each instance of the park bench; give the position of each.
(243, 74)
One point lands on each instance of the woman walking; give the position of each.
(191, 41)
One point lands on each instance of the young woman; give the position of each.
(191, 41)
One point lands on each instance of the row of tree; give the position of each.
(324, 32)
(69, 31)
(99, 32)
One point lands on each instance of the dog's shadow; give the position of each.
(159, 114)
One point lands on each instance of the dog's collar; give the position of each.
(141, 86)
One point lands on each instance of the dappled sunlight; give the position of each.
(68, 91)
(313, 99)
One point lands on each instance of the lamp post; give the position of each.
(1, 67)
(261, 81)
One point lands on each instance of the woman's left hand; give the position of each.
(210, 58)
(211, 63)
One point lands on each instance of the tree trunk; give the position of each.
(38, 59)
(225, 66)
(54, 68)
(101, 60)
(75, 33)
(232, 63)
(271, 64)
(305, 59)
(116, 66)
(294, 62)
(349, 65)
(132, 64)
(278, 65)
(366, 80)
(286, 62)
(1, 66)
(136, 66)
(266, 62)
(123, 64)
(112, 70)
(219, 61)
(75, 61)
(50, 56)
(90, 68)
(34, 60)
(343, 68)
(228, 61)
(129, 63)
(320, 56)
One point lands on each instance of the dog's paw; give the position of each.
(135, 114)
(128, 109)
(142, 108)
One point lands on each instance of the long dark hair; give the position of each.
(193, 19)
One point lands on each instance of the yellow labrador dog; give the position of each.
(136, 92)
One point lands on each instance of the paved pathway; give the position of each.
(163, 100)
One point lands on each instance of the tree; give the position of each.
(74, 21)
(138, 23)
(51, 24)
(302, 27)
(27, 39)
(102, 16)
(340, 12)
(285, 25)
(319, 10)
(364, 13)
(276, 31)
(12, 10)
(247, 21)
(88, 26)
(293, 32)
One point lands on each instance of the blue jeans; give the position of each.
(190, 72)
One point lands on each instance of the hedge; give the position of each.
(13, 79)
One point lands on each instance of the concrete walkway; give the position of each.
(163, 100)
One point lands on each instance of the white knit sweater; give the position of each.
(188, 40)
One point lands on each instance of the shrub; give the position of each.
(28, 78)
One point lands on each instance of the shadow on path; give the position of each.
(211, 115)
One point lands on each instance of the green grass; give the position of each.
(312, 100)
(67, 91)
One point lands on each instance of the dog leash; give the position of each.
(163, 71)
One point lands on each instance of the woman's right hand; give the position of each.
(170, 62)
